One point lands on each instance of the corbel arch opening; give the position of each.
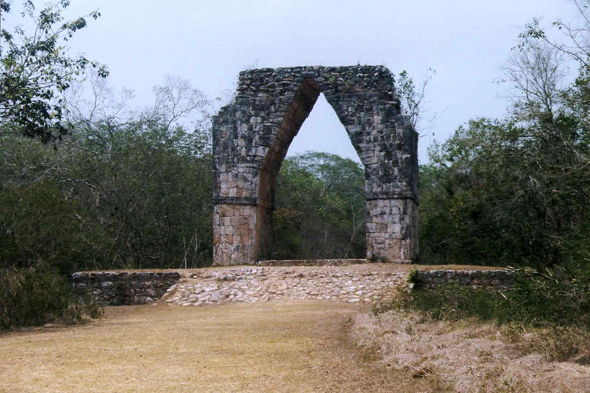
(275, 246)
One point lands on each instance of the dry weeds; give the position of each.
(470, 356)
(268, 347)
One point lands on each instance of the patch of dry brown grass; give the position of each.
(267, 347)
(558, 343)
(470, 356)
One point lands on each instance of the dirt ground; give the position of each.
(276, 346)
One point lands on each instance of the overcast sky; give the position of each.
(210, 41)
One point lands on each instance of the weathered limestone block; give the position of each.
(392, 226)
(252, 135)
(234, 233)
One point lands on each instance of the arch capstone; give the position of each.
(251, 137)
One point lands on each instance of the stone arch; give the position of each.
(251, 137)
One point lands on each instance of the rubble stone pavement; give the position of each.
(254, 284)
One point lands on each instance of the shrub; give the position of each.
(36, 296)
(38, 222)
(554, 299)
(413, 277)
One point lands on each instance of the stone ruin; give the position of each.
(251, 137)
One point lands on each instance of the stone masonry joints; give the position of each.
(251, 137)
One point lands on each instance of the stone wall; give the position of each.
(252, 135)
(392, 229)
(480, 278)
(124, 288)
(312, 262)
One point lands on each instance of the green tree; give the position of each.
(149, 182)
(35, 71)
(517, 190)
(135, 187)
(320, 208)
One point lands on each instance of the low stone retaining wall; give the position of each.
(322, 262)
(367, 283)
(124, 288)
(312, 262)
(481, 278)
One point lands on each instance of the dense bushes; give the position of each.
(516, 191)
(36, 296)
(536, 301)
(320, 208)
(37, 223)
(144, 203)
(507, 193)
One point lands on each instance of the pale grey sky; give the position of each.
(210, 41)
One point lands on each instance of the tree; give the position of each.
(413, 98)
(504, 192)
(4, 7)
(128, 189)
(518, 189)
(176, 99)
(35, 71)
(573, 43)
(576, 44)
(320, 208)
(536, 74)
(150, 180)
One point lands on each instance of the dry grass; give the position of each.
(470, 356)
(276, 346)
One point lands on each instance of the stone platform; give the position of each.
(117, 288)
(353, 284)
(348, 280)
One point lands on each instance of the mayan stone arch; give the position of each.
(251, 137)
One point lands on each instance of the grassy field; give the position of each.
(278, 347)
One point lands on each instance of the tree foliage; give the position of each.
(516, 191)
(119, 191)
(413, 98)
(35, 70)
(506, 193)
(31, 297)
(320, 208)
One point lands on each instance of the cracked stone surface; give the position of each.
(253, 284)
